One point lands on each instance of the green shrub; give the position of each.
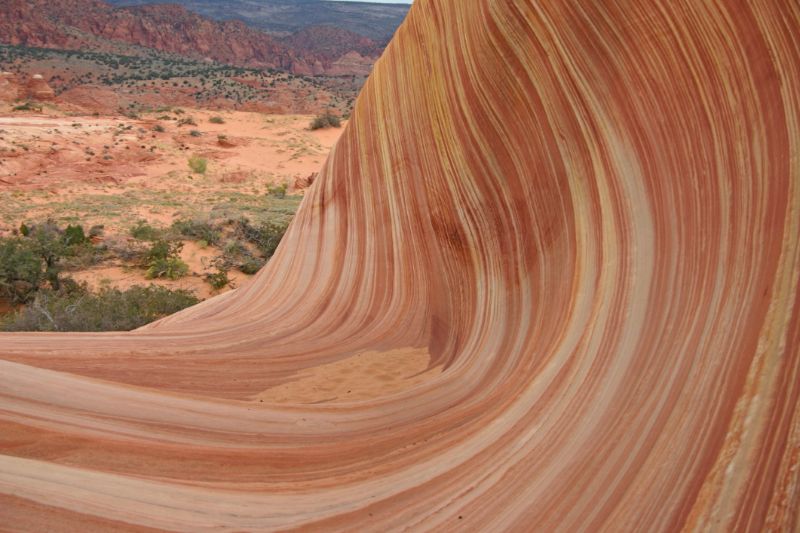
(162, 249)
(188, 121)
(198, 229)
(75, 308)
(163, 260)
(250, 266)
(49, 244)
(171, 268)
(198, 164)
(235, 254)
(326, 120)
(195, 133)
(218, 279)
(28, 106)
(159, 128)
(217, 120)
(74, 235)
(35, 257)
(20, 270)
(265, 236)
(278, 191)
(145, 232)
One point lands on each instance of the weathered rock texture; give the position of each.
(10, 89)
(588, 216)
(38, 89)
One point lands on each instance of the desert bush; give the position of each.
(187, 121)
(198, 164)
(145, 232)
(171, 268)
(198, 229)
(326, 120)
(28, 106)
(218, 279)
(74, 235)
(47, 242)
(20, 270)
(278, 191)
(250, 266)
(75, 308)
(159, 128)
(35, 257)
(195, 133)
(163, 260)
(217, 120)
(266, 236)
(235, 254)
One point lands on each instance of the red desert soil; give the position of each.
(575, 224)
(115, 171)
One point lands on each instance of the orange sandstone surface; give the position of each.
(553, 260)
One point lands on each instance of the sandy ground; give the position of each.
(364, 376)
(116, 171)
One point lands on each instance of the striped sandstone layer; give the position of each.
(554, 256)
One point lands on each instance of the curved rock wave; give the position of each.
(547, 280)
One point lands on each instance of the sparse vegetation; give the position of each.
(200, 230)
(198, 164)
(35, 257)
(278, 191)
(74, 308)
(74, 235)
(219, 279)
(217, 120)
(28, 106)
(266, 236)
(163, 260)
(145, 232)
(21, 270)
(140, 73)
(326, 120)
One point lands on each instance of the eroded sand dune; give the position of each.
(556, 254)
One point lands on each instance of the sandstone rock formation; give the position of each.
(583, 216)
(306, 182)
(351, 63)
(9, 87)
(78, 24)
(38, 89)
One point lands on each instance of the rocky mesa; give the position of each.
(78, 24)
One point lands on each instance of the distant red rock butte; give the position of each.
(320, 50)
(35, 89)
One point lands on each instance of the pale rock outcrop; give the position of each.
(38, 89)
(10, 89)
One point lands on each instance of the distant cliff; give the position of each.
(93, 24)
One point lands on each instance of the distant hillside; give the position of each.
(98, 26)
(281, 17)
(109, 83)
